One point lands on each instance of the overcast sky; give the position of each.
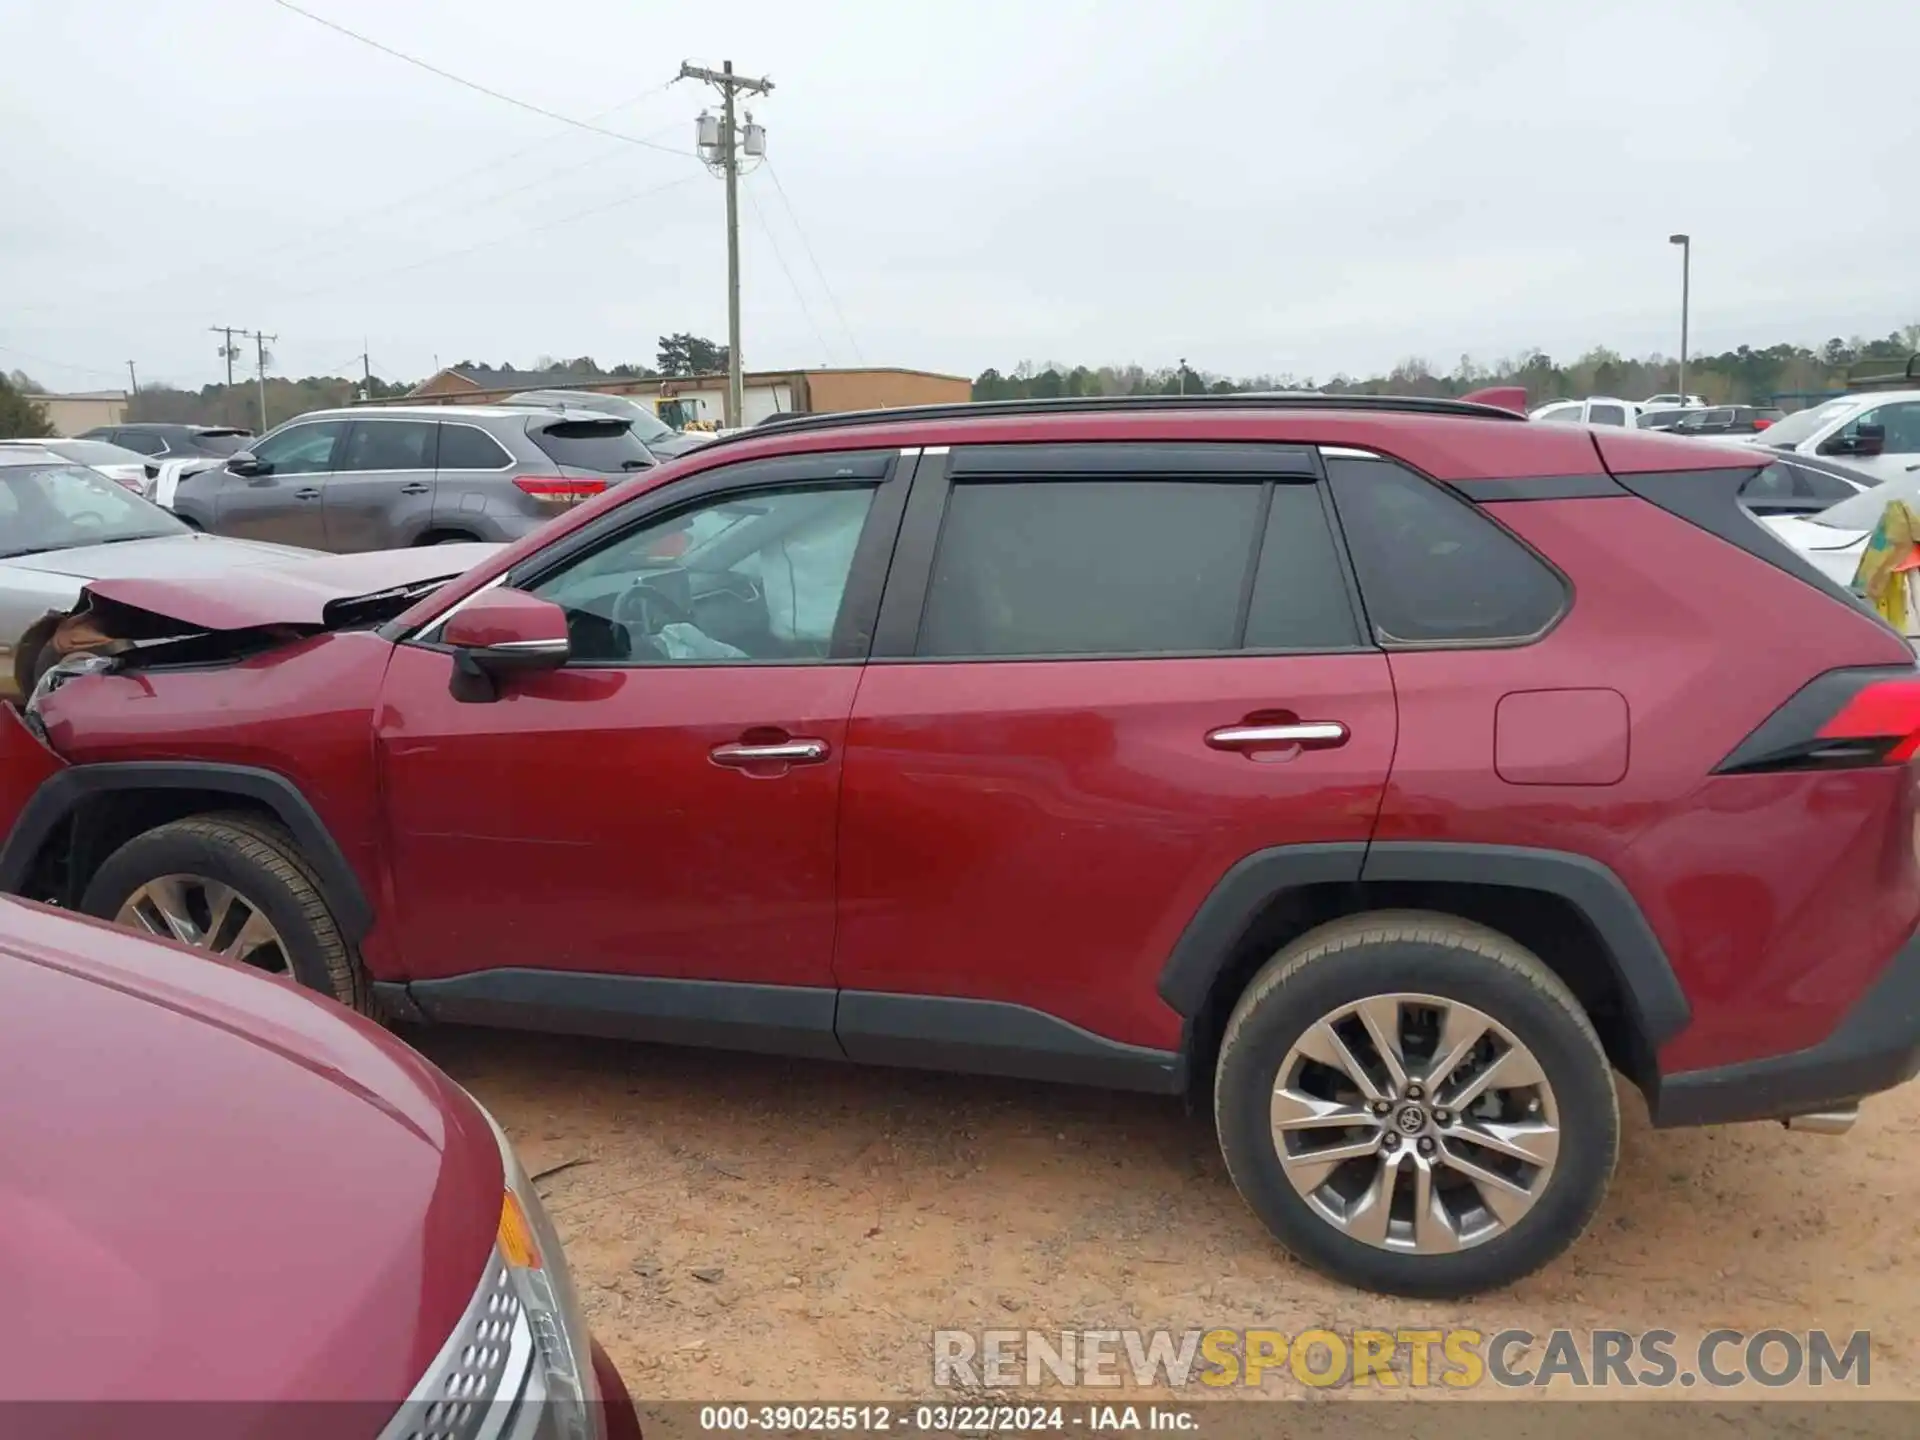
(1261, 186)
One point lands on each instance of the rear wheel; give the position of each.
(235, 886)
(1416, 1105)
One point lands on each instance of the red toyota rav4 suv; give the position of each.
(1385, 772)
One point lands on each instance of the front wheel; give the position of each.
(236, 886)
(1416, 1105)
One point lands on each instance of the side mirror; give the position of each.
(501, 633)
(1869, 439)
(243, 462)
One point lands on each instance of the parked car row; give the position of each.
(1373, 771)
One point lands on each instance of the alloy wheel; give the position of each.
(1414, 1123)
(209, 915)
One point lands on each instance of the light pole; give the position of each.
(1183, 374)
(1685, 242)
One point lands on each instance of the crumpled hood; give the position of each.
(216, 1186)
(295, 592)
(165, 557)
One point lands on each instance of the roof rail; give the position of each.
(1111, 404)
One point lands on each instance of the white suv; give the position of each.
(1877, 433)
(1595, 410)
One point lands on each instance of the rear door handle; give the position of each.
(783, 752)
(1308, 734)
(307, 494)
(415, 489)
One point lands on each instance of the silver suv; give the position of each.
(381, 479)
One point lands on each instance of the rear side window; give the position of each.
(468, 447)
(389, 445)
(1090, 567)
(144, 443)
(1135, 567)
(1606, 415)
(605, 445)
(1300, 597)
(1433, 570)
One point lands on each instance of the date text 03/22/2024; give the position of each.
(945, 1419)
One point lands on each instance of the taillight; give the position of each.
(1842, 720)
(133, 485)
(559, 492)
(1761, 423)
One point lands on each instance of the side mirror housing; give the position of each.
(501, 633)
(243, 462)
(1869, 439)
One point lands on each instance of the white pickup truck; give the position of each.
(1876, 432)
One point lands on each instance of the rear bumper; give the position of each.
(1874, 1048)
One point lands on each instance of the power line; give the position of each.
(300, 246)
(487, 244)
(473, 85)
(774, 245)
(58, 364)
(805, 245)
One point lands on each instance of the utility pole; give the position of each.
(366, 363)
(1685, 242)
(1183, 374)
(227, 352)
(133, 380)
(260, 356)
(723, 148)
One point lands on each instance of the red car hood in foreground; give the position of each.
(297, 592)
(214, 1186)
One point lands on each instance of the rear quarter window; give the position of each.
(1433, 570)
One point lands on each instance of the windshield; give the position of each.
(95, 452)
(62, 507)
(1863, 511)
(1783, 434)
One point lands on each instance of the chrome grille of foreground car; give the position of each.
(479, 1385)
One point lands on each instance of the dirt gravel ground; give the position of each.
(746, 1227)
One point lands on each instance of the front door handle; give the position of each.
(782, 752)
(310, 493)
(1307, 734)
(415, 489)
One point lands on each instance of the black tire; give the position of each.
(1416, 952)
(261, 861)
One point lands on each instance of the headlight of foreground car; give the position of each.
(519, 1364)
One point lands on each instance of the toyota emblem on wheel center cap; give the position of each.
(1411, 1120)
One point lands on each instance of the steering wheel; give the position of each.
(646, 611)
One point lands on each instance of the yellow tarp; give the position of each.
(1891, 552)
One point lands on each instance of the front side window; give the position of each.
(1901, 421)
(1433, 570)
(758, 576)
(301, 449)
(61, 507)
(1562, 414)
(389, 445)
(144, 443)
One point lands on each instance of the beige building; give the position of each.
(702, 398)
(72, 414)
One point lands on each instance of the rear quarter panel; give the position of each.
(1776, 897)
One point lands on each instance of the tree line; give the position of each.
(1792, 375)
